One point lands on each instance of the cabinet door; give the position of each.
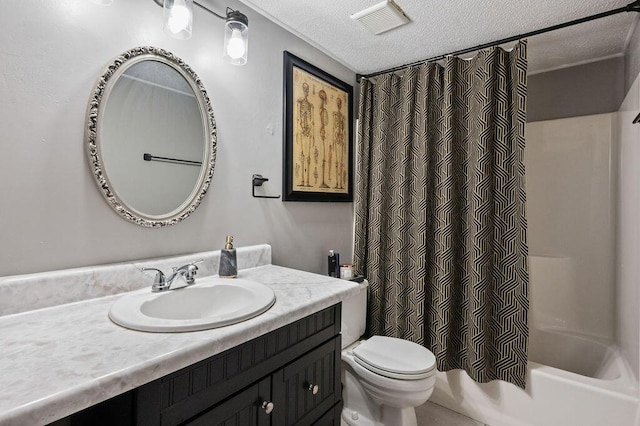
(331, 417)
(243, 409)
(308, 387)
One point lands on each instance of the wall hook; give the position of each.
(258, 180)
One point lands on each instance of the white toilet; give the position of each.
(384, 378)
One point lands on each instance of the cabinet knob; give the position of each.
(267, 407)
(313, 388)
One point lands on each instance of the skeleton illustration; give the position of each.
(324, 121)
(339, 138)
(305, 129)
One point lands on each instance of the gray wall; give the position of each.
(52, 215)
(593, 88)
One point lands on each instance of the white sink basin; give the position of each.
(211, 302)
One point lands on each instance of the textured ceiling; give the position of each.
(442, 26)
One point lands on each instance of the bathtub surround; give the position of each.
(627, 265)
(440, 220)
(570, 165)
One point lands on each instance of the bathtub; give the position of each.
(571, 380)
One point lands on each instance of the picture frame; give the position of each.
(318, 134)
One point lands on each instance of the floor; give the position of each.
(431, 414)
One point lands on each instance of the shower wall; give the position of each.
(570, 207)
(628, 230)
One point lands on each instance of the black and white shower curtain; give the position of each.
(440, 210)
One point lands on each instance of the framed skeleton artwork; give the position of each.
(318, 136)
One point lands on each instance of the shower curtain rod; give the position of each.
(631, 7)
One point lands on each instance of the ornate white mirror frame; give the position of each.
(94, 141)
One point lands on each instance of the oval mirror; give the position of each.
(151, 137)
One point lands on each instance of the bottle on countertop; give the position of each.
(333, 262)
(228, 263)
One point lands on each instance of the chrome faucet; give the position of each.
(188, 271)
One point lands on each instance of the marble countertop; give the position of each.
(59, 360)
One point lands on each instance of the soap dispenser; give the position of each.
(228, 263)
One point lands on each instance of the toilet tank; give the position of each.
(354, 315)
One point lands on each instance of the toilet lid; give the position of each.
(395, 358)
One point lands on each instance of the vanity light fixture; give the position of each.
(236, 37)
(178, 19)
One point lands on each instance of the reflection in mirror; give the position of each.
(151, 137)
(152, 110)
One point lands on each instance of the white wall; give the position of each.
(628, 230)
(570, 209)
(52, 215)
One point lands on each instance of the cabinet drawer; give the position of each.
(294, 386)
(243, 409)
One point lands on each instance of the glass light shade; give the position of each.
(178, 18)
(236, 38)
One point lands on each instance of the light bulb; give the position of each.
(235, 47)
(236, 43)
(179, 18)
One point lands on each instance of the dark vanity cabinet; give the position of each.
(290, 376)
(286, 397)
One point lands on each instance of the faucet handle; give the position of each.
(191, 266)
(192, 270)
(159, 280)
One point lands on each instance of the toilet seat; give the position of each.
(395, 358)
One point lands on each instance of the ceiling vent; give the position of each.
(382, 17)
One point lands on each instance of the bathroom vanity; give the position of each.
(288, 376)
(67, 363)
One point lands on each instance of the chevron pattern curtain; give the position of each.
(440, 210)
